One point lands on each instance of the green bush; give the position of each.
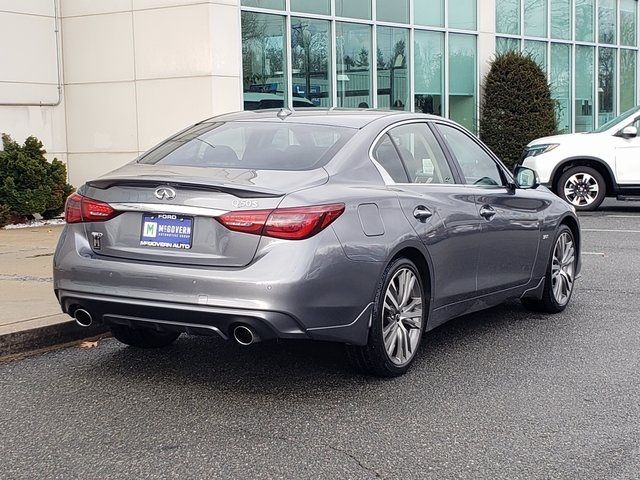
(517, 106)
(29, 184)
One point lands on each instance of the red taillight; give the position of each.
(295, 223)
(82, 209)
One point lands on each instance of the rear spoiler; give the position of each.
(241, 191)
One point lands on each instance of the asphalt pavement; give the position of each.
(499, 394)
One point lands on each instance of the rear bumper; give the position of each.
(307, 289)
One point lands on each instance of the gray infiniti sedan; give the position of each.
(362, 227)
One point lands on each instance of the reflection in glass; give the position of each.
(535, 18)
(429, 68)
(462, 14)
(310, 60)
(275, 4)
(462, 79)
(504, 45)
(607, 21)
(584, 77)
(538, 52)
(606, 84)
(508, 16)
(428, 12)
(353, 47)
(393, 11)
(628, 16)
(263, 61)
(561, 19)
(354, 9)
(392, 61)
(561, 84)
(311, 6)
(628, 81)
(585, 17)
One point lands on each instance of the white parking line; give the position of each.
(608, 231)
(622, 216)
(599, 254)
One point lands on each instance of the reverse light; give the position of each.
(295, 223)
(79, 209)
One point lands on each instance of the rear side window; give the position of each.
(386, 155)
(252, 145)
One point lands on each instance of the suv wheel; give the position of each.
(582, 187)
(398, 322)
(143, 337)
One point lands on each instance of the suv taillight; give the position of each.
(295, 223)
(80, 209)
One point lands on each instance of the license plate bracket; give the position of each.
(165, 230)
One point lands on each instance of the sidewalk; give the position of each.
(30, 316)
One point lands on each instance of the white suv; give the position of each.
(584, 168)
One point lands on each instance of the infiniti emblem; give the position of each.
(165, 193)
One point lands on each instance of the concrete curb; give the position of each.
(46, 336)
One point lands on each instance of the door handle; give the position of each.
(487, 212)
(422, 213)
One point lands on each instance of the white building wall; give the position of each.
(31, 102)
(137, 71)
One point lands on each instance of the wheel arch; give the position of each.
(596, 163)
(573, 225)
(418, 254)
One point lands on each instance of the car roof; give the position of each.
(341, 117)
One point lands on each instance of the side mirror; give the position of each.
(526, 177)
(629, 132)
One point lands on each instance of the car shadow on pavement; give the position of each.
(286, 366)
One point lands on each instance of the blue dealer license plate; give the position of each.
(166, 231)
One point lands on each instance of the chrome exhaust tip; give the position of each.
(244, 335)
(83, 318)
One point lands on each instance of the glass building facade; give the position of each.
(428, 55)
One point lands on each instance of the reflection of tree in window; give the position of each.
(310, 60)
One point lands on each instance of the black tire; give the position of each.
(373, 358)
(143, 337)
(597, 177)
(548, 303)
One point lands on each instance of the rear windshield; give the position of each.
(253, 145)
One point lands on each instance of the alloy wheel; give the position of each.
(563, 268)
(402, 316)
(581, 189)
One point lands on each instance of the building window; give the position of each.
(263, 61)
(392, 61)
(585, 20)
(508, 16)
(538, 52)
(428, 12)
(561, 84)
(607, 21)
(462, 80)
(429, 72)
(535, 18)
(606, 84)
(462, 14)
(396, 11)
(507, 44)
(320, 7)
(354, 9)
(271, 4)
(561, 19)
(584, 75)
(353, 47)
(628, 80)
(628, 22)
(311, 60)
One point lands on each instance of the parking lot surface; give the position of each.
(499, 394)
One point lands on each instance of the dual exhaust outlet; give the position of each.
(242, 334)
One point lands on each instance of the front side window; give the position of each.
(251, 145)
(421, 154)
(477, 165)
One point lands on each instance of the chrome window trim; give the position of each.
(166, 208)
